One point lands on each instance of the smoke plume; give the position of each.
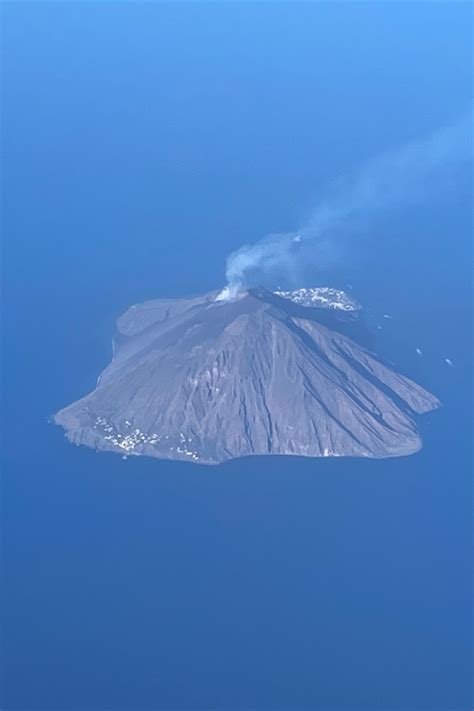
(393, 180)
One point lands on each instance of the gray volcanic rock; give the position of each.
(204, 380)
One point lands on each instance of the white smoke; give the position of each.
(404, 177)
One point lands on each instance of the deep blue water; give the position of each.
(143, 142)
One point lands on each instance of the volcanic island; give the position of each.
(207, 379)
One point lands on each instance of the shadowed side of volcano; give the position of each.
(349, 323)
(206, 381)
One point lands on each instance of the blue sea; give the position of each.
(143, 142)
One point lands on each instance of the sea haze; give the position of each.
(144, 143)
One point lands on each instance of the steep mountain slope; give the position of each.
(206, 381)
